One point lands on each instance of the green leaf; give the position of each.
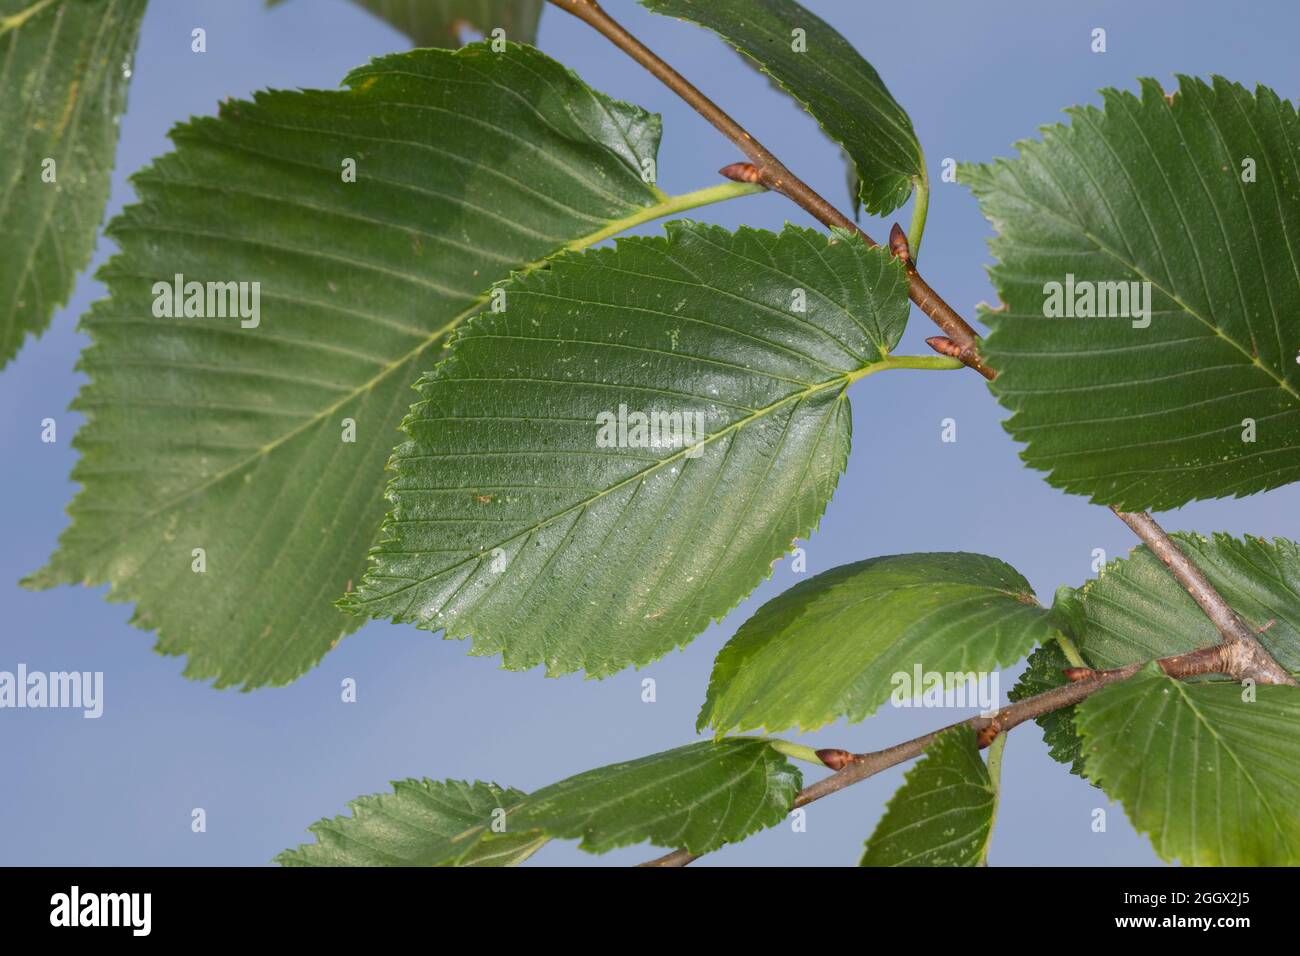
(1150, 190)
(205, 434)
(943, 813)
(439, 23)
(421, 823)
(830, 79)
(523, 516)
(833, 645)
(1212, 779)
(1043, 674)
(1136, 611)
(697, 797)
(64, 70)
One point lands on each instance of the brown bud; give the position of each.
(835, 758)
(898, 247)
(1076, 674)
(987, 734)
(944, 346)
(741, 172)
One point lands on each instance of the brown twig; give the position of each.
(1084, 682)
(772, 173)
(1248, 658)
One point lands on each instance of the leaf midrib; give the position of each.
(16, 20)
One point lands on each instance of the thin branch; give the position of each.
(775, 175)
(1249, 658)
(1084, 682)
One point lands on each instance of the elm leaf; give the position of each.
(421, 823)
(1208, 772)
(831, 646)
(697, 797)
(534, 512)
(1150, 275)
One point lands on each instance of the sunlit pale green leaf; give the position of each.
(835, 645)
